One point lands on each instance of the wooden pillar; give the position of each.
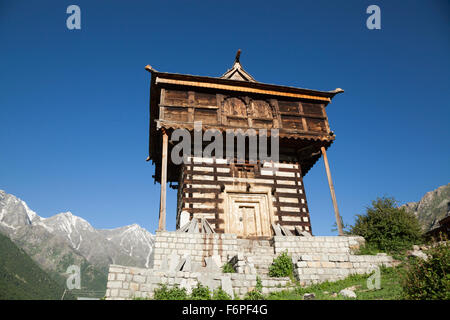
(162, 203)
(333, 195)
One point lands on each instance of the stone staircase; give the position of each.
(259, 252)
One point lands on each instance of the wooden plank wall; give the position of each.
(204, 180)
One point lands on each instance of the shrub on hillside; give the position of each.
(256, 293)
(164, 293)
(387, 227)
(429, 279)
(220, 294)
(200, 293)
(281, 266)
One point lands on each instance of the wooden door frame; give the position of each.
(266, 192)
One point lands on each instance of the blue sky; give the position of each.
(74, 103)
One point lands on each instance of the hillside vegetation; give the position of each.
(22, 279)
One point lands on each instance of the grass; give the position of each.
(390, 288)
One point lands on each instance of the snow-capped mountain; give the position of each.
(66, 237)
(14, 213)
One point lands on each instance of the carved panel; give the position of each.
(235, 107)
(261, 109)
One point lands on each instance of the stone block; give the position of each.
(139, 279)
(338, 258)
(328, 264)
(306, 257)
(124, 293)
(115, 269)
(314, 264)
(114, 284)
(346, 265)
(174, 260)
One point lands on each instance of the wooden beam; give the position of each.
(333, 195)
(162, 203)
(239, 89)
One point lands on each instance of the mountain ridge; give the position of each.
(64, 239)
(431, 208)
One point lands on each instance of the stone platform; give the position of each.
(185, 259)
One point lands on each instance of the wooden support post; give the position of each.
(162, 203)
(333, 195)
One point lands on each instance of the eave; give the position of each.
(242, 86)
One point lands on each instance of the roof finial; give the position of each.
(238, 55)
(237, 72)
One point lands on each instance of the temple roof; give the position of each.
(237, 72)
(237, 79)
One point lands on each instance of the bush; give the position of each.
(255, 294)
(228, 268)
(281, 266)
(219, 294)
(387, 227)
(163, 293)
(429, 279)
(200, 293)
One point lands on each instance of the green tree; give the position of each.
(387, 227)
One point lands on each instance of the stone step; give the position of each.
(259, 254)
(259, 249)
(257, 260)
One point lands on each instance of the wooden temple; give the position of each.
(246, 198)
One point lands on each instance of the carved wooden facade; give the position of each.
(239, 198)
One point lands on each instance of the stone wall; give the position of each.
(310, 269)
(296, 245)
(319, 259)
(198, 246)
(131, 283)
(185, 259)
